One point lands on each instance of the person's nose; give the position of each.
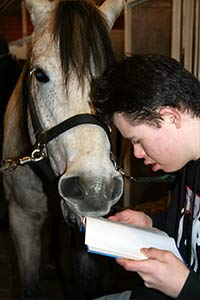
(138, 151)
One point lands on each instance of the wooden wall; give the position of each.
(149, 32)
(11, 27)
(150, 27)
(11, 30)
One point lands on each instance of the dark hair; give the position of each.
(141, 84)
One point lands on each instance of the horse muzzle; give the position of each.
(89, 196)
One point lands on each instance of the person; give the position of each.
(155, 103)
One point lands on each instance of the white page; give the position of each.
(124, 240)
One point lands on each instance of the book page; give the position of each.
(123, 240)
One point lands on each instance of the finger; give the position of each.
(128, 264)
(158, 254)
(132, 265)
(121, 216)
(115, 217)
(143, 268)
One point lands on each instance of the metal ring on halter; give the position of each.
(37, 155)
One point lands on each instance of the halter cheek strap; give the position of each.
(44, 137)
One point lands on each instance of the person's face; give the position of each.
(162, 148)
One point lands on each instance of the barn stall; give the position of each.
(166, 27)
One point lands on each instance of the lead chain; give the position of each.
(8, 166)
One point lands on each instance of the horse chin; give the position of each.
(74, 214)
(70, 216)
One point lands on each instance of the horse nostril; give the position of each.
(70, 187)
(77, 188)
(118, 187)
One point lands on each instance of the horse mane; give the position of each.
(84, 43)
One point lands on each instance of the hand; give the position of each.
(132, 217)
(162, 270)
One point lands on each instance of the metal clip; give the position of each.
(113, 159)
(36, 155)
(24, 160)
(161, 178)
(8, 166)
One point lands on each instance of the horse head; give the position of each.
(71, 46)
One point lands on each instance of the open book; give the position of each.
(115, 239)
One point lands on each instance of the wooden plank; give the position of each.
(188, 21)
(196, 40)
(133, 3)
(198, 58)
(24, 25)
(176, 29)
(128, 35)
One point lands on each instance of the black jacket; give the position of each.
(182, 221)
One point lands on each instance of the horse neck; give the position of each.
(15, 139)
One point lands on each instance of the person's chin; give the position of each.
(155, 167)
(169, 169)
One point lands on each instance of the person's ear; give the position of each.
(171, 115)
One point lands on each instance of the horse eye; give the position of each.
(40, 75)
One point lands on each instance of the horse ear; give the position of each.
(111, 10)
(39, 10)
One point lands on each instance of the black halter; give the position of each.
(44, 137)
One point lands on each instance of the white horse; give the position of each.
(51, 115)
